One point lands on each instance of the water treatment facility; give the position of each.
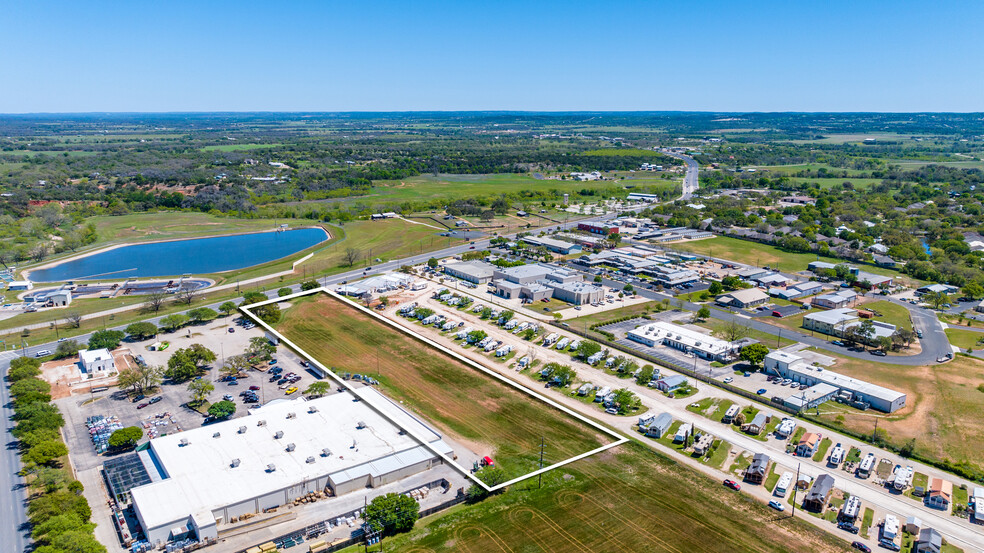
(192, 483)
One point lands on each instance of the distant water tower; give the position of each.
(566, 197)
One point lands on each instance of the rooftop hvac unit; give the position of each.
(242, 429)
(326, 452)
(291, 415)
(312, 409)
(278, 434)
(291, 447)
(234, 463)
(260, 423)
(309, 460)
(360, 425)
(216, 435)
(271, 467)
(184, 442)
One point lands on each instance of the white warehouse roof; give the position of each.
(197, 466)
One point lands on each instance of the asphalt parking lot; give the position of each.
(170, 414)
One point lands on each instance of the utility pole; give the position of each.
(792, 513)
(539, 479)
(778, 338)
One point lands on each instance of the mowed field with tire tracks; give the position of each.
(461, 402)
(623, 500)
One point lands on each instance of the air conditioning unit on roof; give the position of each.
(278, 434)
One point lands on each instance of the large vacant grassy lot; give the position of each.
(484, 414)
(942, 409)
(425, 187)
(759, 255)
(169, 225)
(627, 500)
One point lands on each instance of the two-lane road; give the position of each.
(690, 183)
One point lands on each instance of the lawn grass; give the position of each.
(822, 449)
(171, 225)
(964, 339)
(772, 479)
(635, 310)
(853, 455)
(610, 503)
(717, 327)
(866, 520)
(891, 313)
(461, 402)
(719, 455)
(741, 462)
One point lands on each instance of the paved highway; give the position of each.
(690, 184)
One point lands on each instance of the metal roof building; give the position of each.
(202, 478)
(794, 367)
(476, 272)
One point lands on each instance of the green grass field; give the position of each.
(169, 225)
(429, 187)
(891, 313)
(610, 503)
(759, 255)
(964, 339)
(468, 406)
(238, 147)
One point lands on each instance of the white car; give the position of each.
(729, 380)
(42, 353)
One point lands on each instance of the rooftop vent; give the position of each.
(271, 467)
(360, 425)
(184, 442)
(312, 409)
(291, 447)
(291, 415)
(309, 460)
(216, 435)
(242, 429)
(326, 452)
(278, 434)
(260, 423)
(234, 463)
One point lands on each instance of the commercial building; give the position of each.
(58, 298)
(376, 285)
(598, 227)
(684, 339)
(476, 272)
(576, 293)
(522, 274)
(671, 383)
(20, 285)
(817, 498)
(797, 290)
(554, 245)
(841, 322)
(97, 363)
(937, 288)
(743, 299)
(811, 397)
(201, 479)
(792, 366)
(816, 266)
(835, 300)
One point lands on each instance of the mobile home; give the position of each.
(782, 486)
(867, 465)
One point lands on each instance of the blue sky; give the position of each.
(214, 55)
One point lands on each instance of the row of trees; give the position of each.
(59, 515)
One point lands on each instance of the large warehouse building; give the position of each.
(202, 478)
(792, 366)
(684, 339)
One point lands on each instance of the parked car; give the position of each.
(138, 397)
(155, 399)
(848, 526)
(142, 405)
(761, 391)
(272, 362)
(231, 330)
(861, 547)
(228, 397)
(729, 380)
(291, 390)
(254, 388)
(837, 343)
(732, 484)
(233, 382)
(777, 506)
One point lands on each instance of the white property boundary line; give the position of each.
(619, 439)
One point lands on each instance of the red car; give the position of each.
(142, 405)
(732, 484)
(254, 388)
(861, 547)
